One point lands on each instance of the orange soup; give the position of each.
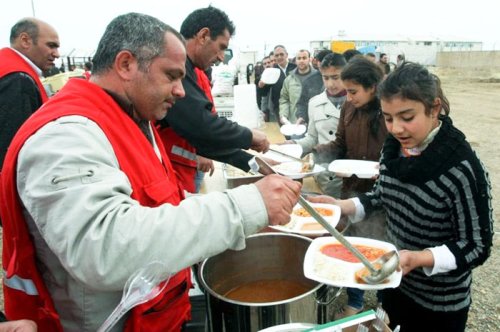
(340, 252)
(323, 211)
(262, 291)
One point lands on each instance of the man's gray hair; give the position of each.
(142, 35)
(27, 25)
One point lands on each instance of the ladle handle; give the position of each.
(336, 234)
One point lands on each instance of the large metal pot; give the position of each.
(267, 257)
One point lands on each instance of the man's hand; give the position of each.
(300, 120)
(280, 194)
(22, 325)
(205, 165)
(260, 143)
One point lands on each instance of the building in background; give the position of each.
(421, 49)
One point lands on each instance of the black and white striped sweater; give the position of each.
(440, 197)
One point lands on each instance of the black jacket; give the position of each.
(213, 137)
(276, 87)
(19, 98)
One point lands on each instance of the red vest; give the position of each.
(153, 184)
(12, 62)
(181, 152)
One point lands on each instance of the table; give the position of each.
(216, 182)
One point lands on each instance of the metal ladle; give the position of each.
(389, 262)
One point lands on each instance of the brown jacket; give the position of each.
(354, 140)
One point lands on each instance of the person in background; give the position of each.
(383, 62)
(281, 58)
(437, 197)
(89, 195)
(324, 114)
(400, 60)
(266, 103)
(351, 53)
(258, 69)
(33, 48)
(87, 67)
(272, 59)
(192, 127)
(263, 91)
(312, 86)
(370, 56)
(292, 86)
(316, 62)
(360, 135)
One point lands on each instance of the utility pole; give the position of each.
(33, 8)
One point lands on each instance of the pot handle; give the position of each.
(321, 296)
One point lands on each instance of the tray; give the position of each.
(293, 129)
(292, 169)
(363, 169)
(300, 225)
(339, 273)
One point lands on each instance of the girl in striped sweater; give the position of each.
(436, 194)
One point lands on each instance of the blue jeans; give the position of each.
(355, 297)
(198, 179)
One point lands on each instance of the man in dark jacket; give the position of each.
(286, 67)
(33, 48)
(311, 87)
(190, 127)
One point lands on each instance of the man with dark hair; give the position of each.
(33, 48)
(292, 87)
(192, 126)
(383, 62)
(318, 57)
(312, 86)
(87, 66)
(89, 195)
(351, 53)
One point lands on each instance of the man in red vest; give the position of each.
(88, 194)
(191, 128)
(33, 48)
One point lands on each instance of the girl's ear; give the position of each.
(436, 108)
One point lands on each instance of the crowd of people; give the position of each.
(99, 180)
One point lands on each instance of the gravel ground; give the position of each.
(475, 109)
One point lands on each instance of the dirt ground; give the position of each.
(474, 96)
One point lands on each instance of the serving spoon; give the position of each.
(389, 262)
(142, 286)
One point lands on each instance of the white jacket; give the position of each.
(323, 121)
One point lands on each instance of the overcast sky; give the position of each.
(261, 24)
